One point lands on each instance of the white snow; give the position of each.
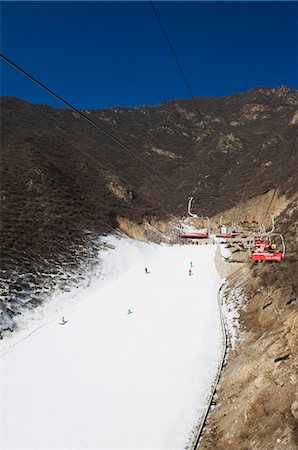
(235, 300)
(109, 380)
(186, 228)
(224, 250)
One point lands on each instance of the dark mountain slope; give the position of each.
(62, 179)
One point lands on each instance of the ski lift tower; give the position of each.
(190, 199)
(208, 225)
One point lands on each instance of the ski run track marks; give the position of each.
(108, 379)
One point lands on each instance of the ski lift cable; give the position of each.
(165, 34)
(282, 172)
(102, 130)
(175, 57)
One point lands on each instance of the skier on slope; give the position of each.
(146, 271)
(189, 272)
(63, 321)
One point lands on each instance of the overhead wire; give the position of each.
(194, 100)
(91, 122)
(180, 68)
(175, 57)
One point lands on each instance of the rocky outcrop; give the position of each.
(256, 401)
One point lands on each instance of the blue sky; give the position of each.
(102, 54)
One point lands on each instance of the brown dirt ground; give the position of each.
(256, 403)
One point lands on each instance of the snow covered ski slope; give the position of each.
(110, 379)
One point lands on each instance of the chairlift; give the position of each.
(190, 199)
(263, 247)
(224, 233)
(194, 235)
(198, 234)
(228, 235)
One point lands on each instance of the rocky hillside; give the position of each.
(63, 182)
(256, 404)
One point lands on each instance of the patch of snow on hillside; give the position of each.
(224, 249)
(234, 301)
